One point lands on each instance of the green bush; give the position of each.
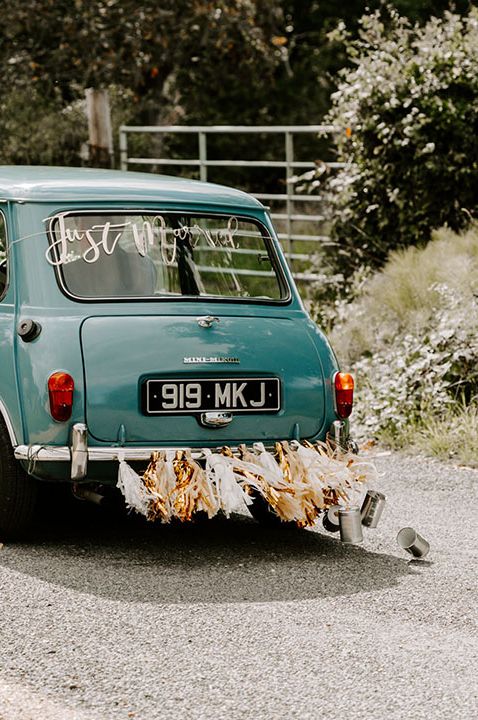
(411, 103)
(411, 338)
(39, 131)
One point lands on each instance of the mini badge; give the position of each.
(212, 360)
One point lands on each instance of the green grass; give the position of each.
(405, 294)
(411, 336)
(452, 437)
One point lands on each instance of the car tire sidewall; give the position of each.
(262, 512)
(18, 493)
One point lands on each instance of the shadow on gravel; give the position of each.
(89, 550)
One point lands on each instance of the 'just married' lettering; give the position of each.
(104, 237)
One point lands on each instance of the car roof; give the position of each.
(46, 184)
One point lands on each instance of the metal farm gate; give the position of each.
(297, 217)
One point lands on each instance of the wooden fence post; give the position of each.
(100, 136)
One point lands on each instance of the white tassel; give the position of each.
(231, 496)
(266, 462)
(298, 483)
(342, 477)
(283, 496)
(132, 487)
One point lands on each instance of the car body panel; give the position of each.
(264, 347)
(109, 347)
(94, 187)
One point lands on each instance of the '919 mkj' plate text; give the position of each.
(180, 397)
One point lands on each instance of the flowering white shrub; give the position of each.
(410, 102)
(423, 373)
(411, 338)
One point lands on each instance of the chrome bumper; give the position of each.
(79, 454)
(52, 453)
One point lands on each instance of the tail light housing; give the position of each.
(344, 394)
(60, 390)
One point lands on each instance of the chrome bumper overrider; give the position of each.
(79, 454)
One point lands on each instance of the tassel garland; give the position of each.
(298, 480)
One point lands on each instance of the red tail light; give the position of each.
(60, 390)
(344, 394)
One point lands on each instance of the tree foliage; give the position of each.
(186, 61)
(162, 60)
(68, 46)
(411, 102)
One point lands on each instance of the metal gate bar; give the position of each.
(289, 165)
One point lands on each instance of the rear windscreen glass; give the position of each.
(168, 254)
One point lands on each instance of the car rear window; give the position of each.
(139, 255)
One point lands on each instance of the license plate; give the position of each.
(238, 395)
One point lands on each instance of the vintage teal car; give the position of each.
(140, 312)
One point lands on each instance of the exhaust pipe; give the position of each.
(81, 492)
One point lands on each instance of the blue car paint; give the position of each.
(86, 339)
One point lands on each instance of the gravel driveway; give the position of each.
(107, 618)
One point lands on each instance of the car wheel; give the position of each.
(18, 492)
(262, 512)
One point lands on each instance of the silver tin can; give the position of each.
(330, 519)
(350, 525)
(372, 508)
(412, 542)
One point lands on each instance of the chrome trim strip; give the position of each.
(51, 453)
(338, 433)
(43, 453)
(8, 423)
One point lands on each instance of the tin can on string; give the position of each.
(350, 523)
(413, 543)
(372, 508)
(330, 519)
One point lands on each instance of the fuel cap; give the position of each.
(28, 330)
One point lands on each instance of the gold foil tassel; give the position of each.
(193, 492)
(297, 480)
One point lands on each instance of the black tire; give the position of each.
(18, 493)
(262, 512)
